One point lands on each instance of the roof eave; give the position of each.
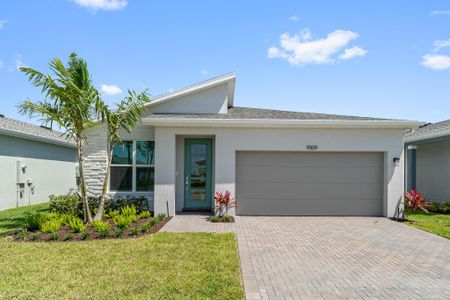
(283, 123)
(427, 136)
(32, 137)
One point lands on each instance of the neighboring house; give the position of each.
(428, 160)
(35, 163)
(193, 142)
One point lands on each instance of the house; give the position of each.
(194, 141)
(35, 163)
(428, 160)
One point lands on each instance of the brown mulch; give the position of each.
(93, 235)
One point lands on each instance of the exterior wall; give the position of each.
(230, 140)
(433, 170)
(50, 168)
(213, 100)
(96, 158)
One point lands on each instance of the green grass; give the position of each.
(11, 219)
(159, 266)
(436, 223)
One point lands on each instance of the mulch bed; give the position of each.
(93, 235)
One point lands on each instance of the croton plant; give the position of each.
(416, 201)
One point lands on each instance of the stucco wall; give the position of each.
(50, 168)
(433, 170)
(230, 140)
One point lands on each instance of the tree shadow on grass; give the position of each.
(12, 219)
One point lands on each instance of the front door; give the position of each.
(197, 174)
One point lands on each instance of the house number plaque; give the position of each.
(312, 147)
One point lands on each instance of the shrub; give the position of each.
(102, 228)
(129, 211)
(66, 204)
(134, 231)
(54, 236)
(35, 236)
(112, 214)
(144, 228)
(84, 235)
(66, 218)
(227, 218)
(122, 221)
(415, 201)
(76, 224)
(33, 221)
(68, 237)
(144, 214)
(440, 207)
(140, 203)
(23, 233)
(160, 217)
(223, 203)
(152, 222)
(51, 225)
(118, 232)
(215, 219)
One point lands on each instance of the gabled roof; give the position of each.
(228, 79)
(29, 131)
(245, 116)
(429, 131)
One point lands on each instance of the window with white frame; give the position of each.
(133, 167)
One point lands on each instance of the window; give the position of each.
(133, 167)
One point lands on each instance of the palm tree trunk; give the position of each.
(86, 211)
(101, 205)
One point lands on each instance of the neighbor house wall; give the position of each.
(433, 170)
(230, 140)
(50, 168)
(96, 158)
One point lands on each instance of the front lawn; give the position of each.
(159, 266)
(436, 223)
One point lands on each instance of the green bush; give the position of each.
(215, 219)
(134, 231)
(123, 221)
(54, 236)
(227, 218)
(51, 225)
(140, 203)
(66, 204)
(23, 234)
(33, 221)
(35, 236)
(112, 214)
(102, 228)
(118, 232)
(129, 211)
(160, 217)
(152, 222)
(144, 214)
(144, 228)
(440, 207)
(84, 235)
(76, 224)
(68, 237)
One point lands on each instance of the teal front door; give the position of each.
(197, 174)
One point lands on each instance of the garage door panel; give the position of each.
(302, 183)
(322, 174)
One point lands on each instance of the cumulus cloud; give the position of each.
(436, 62)
(293, 18)
(439, 44)
(440, 12)
(110, 89)
(95, 5)
(301, 49)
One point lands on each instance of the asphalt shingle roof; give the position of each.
(259, 113)
(429, 128)
(14, 126)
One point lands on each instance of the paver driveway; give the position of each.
(341, 258)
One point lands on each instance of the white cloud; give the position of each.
(2, 23)
(439, 44)
(19, 62)
(293, 18)
(300, 49)
(352, 52)
(440, 12)
(110, 89)
(205, 72)
(436, 61)
(95, 5)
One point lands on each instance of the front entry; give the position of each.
(197, 174)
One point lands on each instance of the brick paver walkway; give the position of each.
(341, 258)
(196, 223)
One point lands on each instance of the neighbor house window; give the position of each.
(133, 167)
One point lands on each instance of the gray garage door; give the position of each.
(305, 183)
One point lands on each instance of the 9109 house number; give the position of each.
(312, 147)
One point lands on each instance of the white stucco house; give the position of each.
(194, 141)
(35, 162)
(428, 160)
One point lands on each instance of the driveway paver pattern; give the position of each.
(341, 258)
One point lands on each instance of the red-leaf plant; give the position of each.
(223, 203)
(415, 201)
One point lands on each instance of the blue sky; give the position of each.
(379, 58)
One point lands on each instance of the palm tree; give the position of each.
(126, 115)
(71, 101)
